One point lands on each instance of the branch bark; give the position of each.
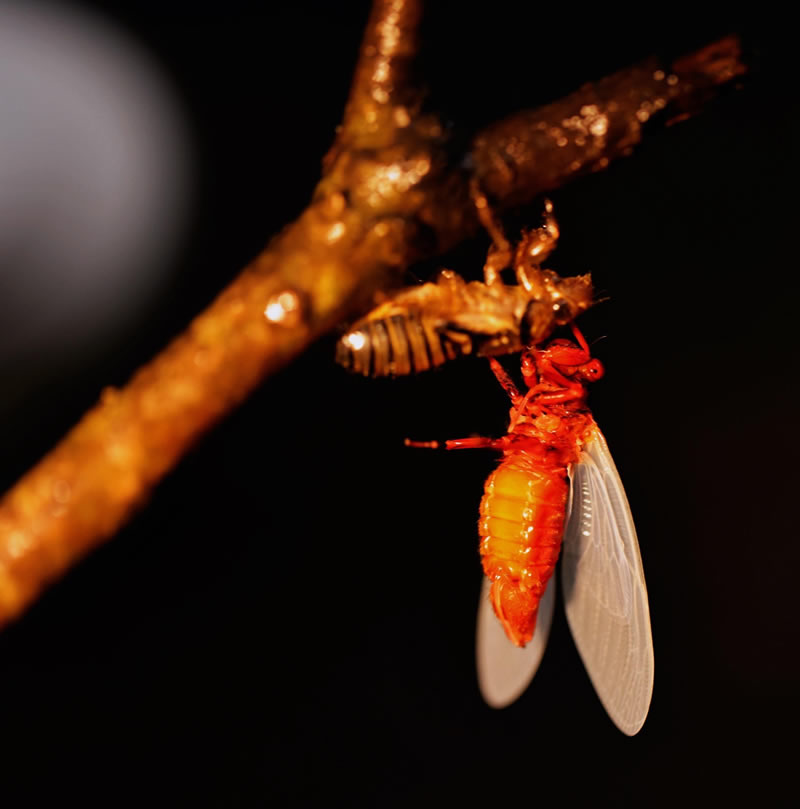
(388, 196)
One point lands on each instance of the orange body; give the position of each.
(524, 504)
(521, 524)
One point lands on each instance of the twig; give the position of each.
(546, 147)
(388, 196)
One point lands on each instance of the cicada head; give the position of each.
(559, 359)
(555, 302)
(590, 371)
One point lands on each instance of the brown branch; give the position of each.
(544, 148)
(387, 197)
(382, 80)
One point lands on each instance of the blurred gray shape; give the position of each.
(93, 182)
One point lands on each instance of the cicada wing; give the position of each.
(605, 595)
(505, 670)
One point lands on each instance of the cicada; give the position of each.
(422, 327)
(556, 486)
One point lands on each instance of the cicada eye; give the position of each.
(593, 370)
(562, 313)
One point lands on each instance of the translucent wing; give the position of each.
(504, 670)
(604, 589)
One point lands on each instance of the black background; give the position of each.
(289, 622)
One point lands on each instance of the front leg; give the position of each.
(505, 381)
(474, 442)
(500, 253)
(571, 393)
(534, 249)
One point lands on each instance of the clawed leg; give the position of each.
(479, 442)
(500, 253)
(561, 353)
(548, 372)
(581, 339)
(531, 252)
(475, 442)
(505, 380)
(459, 338)
(534, 249)
(570, 393)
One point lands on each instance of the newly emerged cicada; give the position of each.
(557, 481)
(423, 327)
(556, 484)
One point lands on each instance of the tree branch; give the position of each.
(544, 148)
(388, 196)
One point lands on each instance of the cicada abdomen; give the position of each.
(412, 332)
(521, 525)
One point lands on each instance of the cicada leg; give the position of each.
(500, 253)
(521, 408)
(548, 372)
(568, 394)
(519, 402)
(505, 380)
(581, 339)
(479, 442)
(534, 249)
(473, 442)
(576, 362)
(457, 338)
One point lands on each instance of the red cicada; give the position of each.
(557, 482)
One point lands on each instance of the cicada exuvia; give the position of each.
(423, 327)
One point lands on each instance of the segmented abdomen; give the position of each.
(521, 525)
(398, 345)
